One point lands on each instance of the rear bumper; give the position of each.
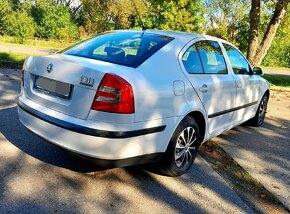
(108, 148)
(86, 130)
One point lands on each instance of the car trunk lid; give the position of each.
(64, 84)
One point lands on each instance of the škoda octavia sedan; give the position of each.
(135, 97)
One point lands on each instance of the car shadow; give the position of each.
(39, 148)
(146, 179)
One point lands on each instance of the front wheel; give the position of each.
(259, 118)
(182, 148)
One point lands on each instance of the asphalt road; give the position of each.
(37, 177)
(265, 151)
(277, 72)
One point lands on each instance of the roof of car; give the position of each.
(177, 34)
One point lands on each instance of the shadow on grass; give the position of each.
(13, 57)
(278, 80)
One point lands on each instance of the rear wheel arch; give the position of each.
(267, 92)
(182, 148)
(260, 114)
(199, 117)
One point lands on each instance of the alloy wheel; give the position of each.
(262, 110)
(186, 147)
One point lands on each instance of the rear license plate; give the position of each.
(52, 87)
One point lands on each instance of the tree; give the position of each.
(53, 20)
(5, 9)
(94, 16)
(123, 14)
(183, 15)
(228, 19)
(257, 51)
(19, 24)
(279, 52)
(101, 15)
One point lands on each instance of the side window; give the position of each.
(237, 60)
(211, 57)
(191, 61)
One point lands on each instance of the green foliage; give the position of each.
(228, 19)
(279, 53)
(19, 24)
(15, 4)
(5, 9)
(40, 18)
(93, 16)
(54, 21)
(241, 38)
(102, 15)
(183, 15)
(123, 14)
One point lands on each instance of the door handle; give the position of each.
(203, 88)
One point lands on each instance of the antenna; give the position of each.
(137, 12)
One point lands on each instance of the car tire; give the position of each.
(182, 148)
(259, 118)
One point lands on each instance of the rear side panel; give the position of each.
(154, 85)
(162, 89)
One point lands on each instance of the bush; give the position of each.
(54, 21)
(278, 54)
(18, 24)
(67, 34)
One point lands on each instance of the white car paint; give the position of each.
(164, 93)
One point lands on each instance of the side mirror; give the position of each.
(258, 71)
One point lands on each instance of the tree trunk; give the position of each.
(270, 33)
(256, 52)
(254, 29)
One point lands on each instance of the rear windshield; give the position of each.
(123, 48)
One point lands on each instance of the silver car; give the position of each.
(135, 97)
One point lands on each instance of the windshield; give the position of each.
(124, 48)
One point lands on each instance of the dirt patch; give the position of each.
(279, 103)
(249, 189)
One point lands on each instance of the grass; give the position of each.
(276, 68)
(36, 43)
(277, 80)
(13, 57)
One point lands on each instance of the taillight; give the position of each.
(114, 95)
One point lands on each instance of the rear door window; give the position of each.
(211, 57)
(124, 48)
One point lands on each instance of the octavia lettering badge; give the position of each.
(49, 68)
(88, 81)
